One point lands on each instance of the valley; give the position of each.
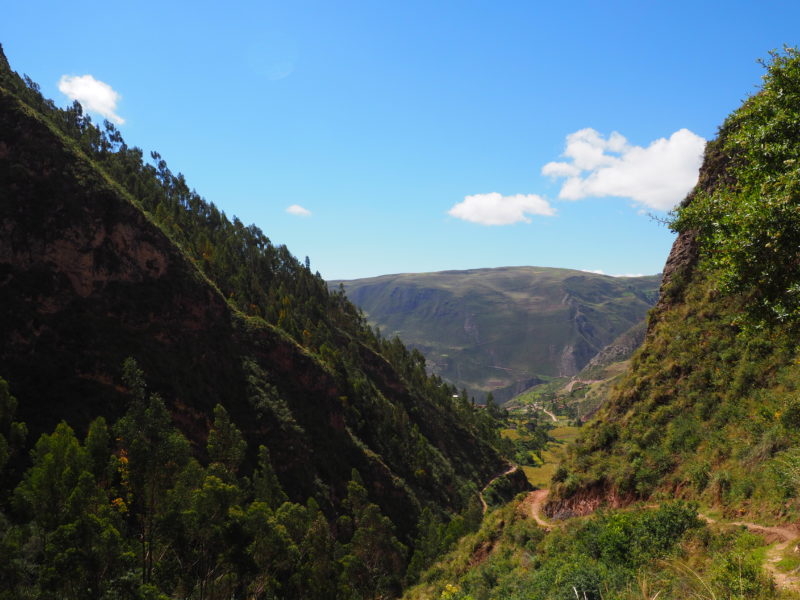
(187, 411)
(504, 330)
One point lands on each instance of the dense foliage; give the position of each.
(128, 513)
(749, 224)
(625, 555)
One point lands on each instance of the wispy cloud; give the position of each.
(94, 95)
(299, 211)
(496, 209)
(658, 176)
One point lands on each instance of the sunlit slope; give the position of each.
(709, 409)
(504, 329)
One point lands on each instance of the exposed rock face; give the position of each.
(682, 258)
(585, 502)
(619, 349)
(685, 251)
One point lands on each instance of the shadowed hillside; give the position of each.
(218, 386)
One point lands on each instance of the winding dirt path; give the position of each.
(571, 385)
(551, 415)
(784, 536)
(780, 536)
(533, 505)
(510, 470)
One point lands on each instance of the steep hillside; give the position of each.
(709, 408)
(504, 330)
(103, 258)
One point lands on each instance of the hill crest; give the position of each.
(502, 330)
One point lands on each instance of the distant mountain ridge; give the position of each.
(505, 329)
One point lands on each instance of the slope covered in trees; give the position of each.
(709, 409)
(506, 329)
(204, 418)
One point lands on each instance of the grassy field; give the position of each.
(540, 476)
(511, 434)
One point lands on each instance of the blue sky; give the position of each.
(402, 129)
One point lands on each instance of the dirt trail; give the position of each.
(784, 536)
(510, 470)
(538, 406)
(551, 415)
(533, 505)
(571, 385)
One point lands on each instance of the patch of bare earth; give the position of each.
(533, 505)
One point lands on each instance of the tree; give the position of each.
(226, 445)
(58, 460)
(12, 433)
(375, 560)
(82, 548)
(206, 521)
(266, 487)
(154, 453)
(271, 549)
(319, 569)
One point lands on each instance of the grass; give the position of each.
(541, 475)
(511, 434)
(790, 561)
(565, 434)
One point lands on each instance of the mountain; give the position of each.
(581, 395)
(694, 460)
(182, 377)
(709, 408)
(504, 330)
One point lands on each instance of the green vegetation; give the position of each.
(504, 330)
(128, 513)
(270, 444)
(749, 225)
(625, 555)
(708, 409)
(541, 474)
(279, 448)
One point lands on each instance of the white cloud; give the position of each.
(95, 96)
(495, 209)
(601, 272)
(658, 176)
(297, 210)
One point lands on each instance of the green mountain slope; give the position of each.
(504, 330)
(103, 257)
(709, 408)
(580, 396)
